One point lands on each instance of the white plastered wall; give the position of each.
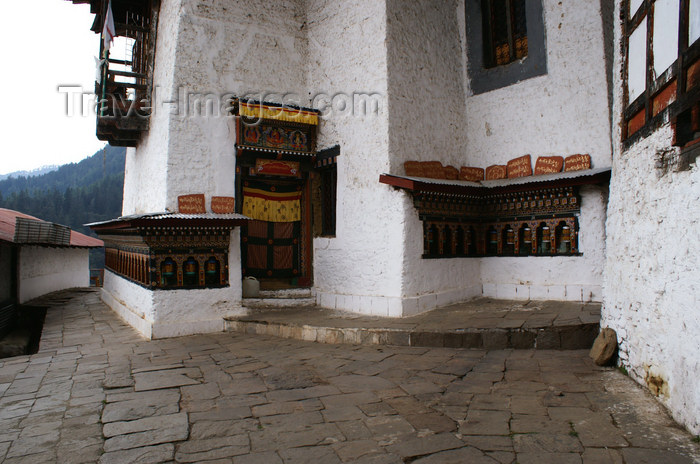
(433, 116)
(428, 121)
(145, 171)
(563, 112)
(373, 264)
(205, 52)
(360, 268)
(651, 288)
(44, 270)
(131, 302)
(228, 48)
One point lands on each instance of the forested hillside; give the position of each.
(92, 169)
(73, 195)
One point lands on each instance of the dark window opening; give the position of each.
(329, 182)
(324, 187)
(506, 42)
(504, 31)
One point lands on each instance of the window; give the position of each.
(125, 81)
(329, 181)
(505, 42)
(662, 69)
(324, 191)
(505, 31)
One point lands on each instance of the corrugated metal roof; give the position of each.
(507, 182)
(274, 150)
(8, 221)
(199, 216)
(32, 231)
(429, 180)
(544, 177)
(167, 215)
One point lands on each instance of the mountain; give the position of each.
(32, 173)
(72, 195)
(90, 170)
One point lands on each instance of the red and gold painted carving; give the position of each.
(433, 169)
(223, 205)
(496, 172)
(413, 168)
(471, 174)
(520, 167)
(548, 164)
(191, 204)
(451, 173)
(277, 167)
(277, 135)
(577, 162)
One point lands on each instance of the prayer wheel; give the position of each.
(545, 241)
(169, 269)
(212, 266)
(526, 243)
(211, 271)
(509, 247)
(493, 241)
(565, 240)
(189, 272)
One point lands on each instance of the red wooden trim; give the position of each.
(170, 222)
(397, 182)
(417, 186)
(307, 234)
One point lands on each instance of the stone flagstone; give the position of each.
(238, 398)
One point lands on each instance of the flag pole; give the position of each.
(108, 33)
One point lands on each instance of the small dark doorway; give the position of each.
(273, 250)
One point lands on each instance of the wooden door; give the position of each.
(271, 249)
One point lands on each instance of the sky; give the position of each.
(45, 44)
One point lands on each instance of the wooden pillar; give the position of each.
(453, 239)
(201, 262)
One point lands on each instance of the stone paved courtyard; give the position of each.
(98, 392)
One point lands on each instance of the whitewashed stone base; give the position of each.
(394, 306)
(172, 313)
(582, 293)
(143, 326)
(131, 302)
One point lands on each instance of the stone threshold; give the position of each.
(483, 323)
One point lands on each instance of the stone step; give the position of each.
(287, 293)
(278, 303)
(562, 331)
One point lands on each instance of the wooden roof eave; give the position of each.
(464, 188)
(132, 225)
(414, 185)
(176, 222)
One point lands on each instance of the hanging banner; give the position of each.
(279, 113)
(271, 203)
